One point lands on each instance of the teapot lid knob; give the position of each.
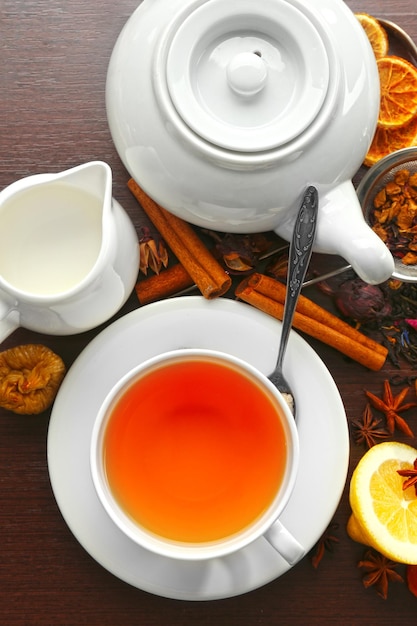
(247, 73)
(247, 77)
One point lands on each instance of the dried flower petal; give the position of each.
(239, 253)
(412, 323)
(411, 575)
(359, 300)
(236, 263)
(278, 268)
(152, 253)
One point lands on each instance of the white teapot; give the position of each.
(224, 112)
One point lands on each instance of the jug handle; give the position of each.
(9, 321)
(342, 230)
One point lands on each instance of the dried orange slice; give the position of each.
(387, 140)
(398, 79)
(377, 35)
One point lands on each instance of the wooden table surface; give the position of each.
(53, 61)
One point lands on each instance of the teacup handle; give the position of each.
(284, 543)
(9, 321)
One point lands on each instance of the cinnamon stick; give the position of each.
(162, 285)
(209, 276)
(270, 287)
(268, 295)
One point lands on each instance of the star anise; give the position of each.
(367, 429)
(153, 253)
(325, 542)
(391, 407)
(411, 475)
(379, 572)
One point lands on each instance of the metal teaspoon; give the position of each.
(298, 260)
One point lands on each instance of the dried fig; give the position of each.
(30, 376)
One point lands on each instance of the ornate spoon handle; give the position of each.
(298, 260)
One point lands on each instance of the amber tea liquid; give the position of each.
(194, 450)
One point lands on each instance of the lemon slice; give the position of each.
(384, 516)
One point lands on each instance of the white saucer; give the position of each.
(195, 322)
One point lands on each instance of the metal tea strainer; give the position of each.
(374, 180)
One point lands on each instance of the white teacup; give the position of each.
(194, 455)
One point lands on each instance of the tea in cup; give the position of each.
(194, 455)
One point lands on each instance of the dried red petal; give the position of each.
(411, 576)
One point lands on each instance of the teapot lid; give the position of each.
(249, 77)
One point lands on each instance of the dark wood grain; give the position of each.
(53, 62)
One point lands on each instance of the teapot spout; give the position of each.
(342, 230)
